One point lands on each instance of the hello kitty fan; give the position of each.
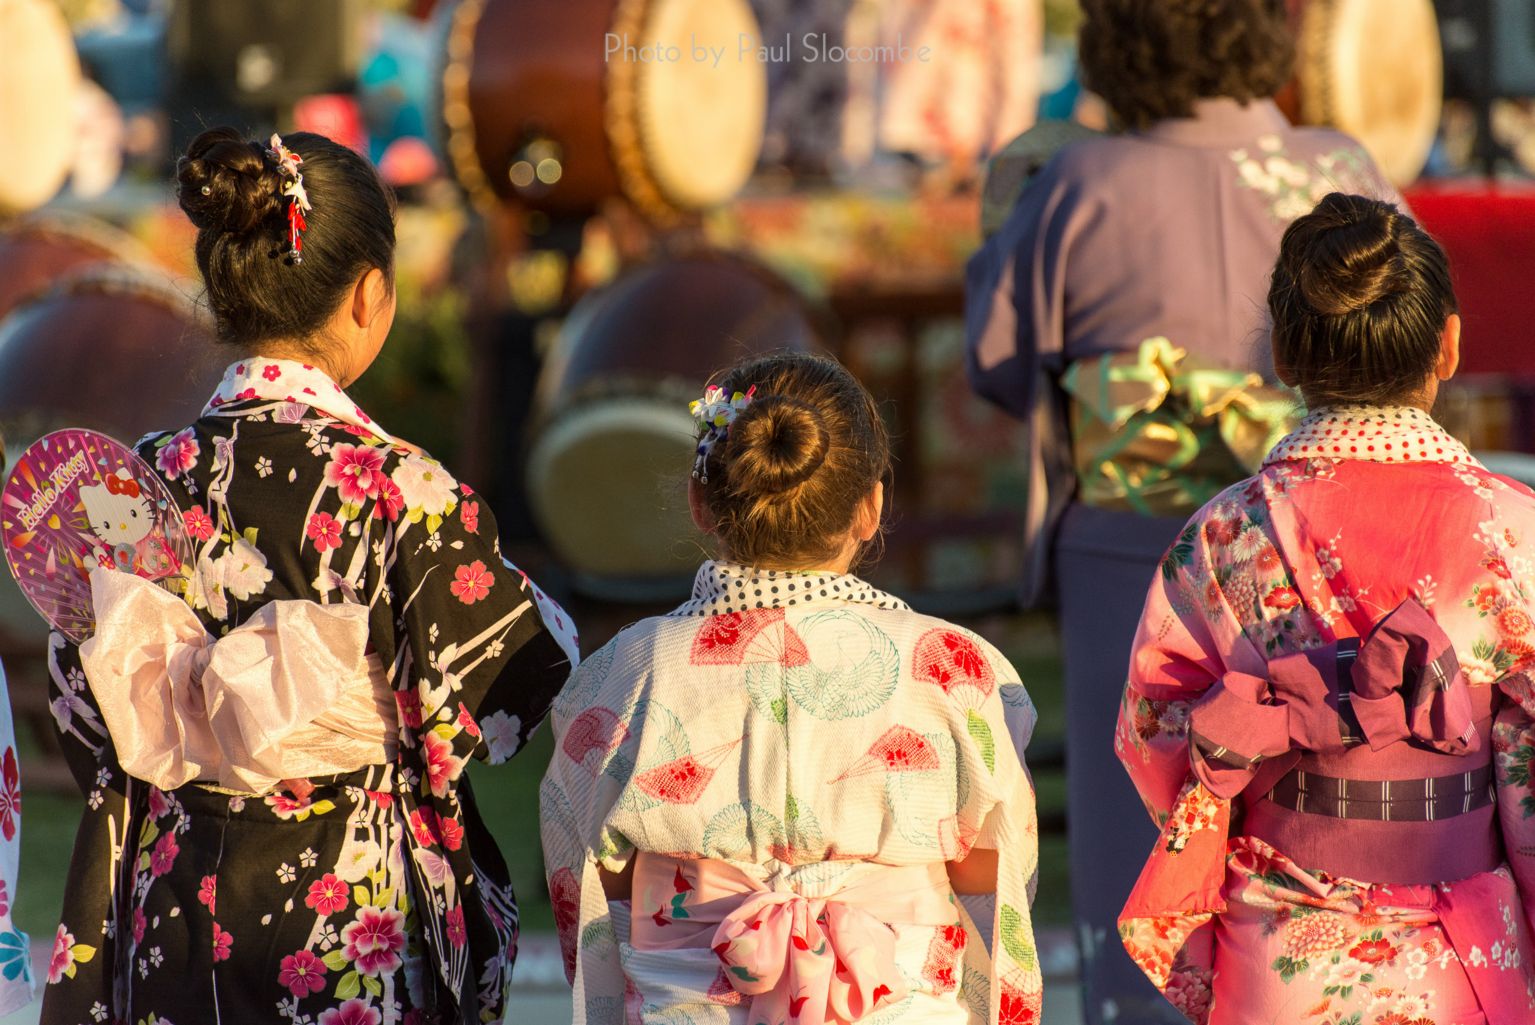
(76, 500)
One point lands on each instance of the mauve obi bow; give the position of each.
(806, 959)
(288, 694)
(1404, 683)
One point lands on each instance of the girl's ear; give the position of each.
(1449, 349)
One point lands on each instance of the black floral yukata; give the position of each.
(380, 897)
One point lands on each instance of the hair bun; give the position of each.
(1354, 258)
(777, 443)
(228, 183)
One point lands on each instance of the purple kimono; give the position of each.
(1171, 231)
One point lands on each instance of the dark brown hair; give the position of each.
(231, 189)
(785, 483)
(1151, 59)
(1359, 299)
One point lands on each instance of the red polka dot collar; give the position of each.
(1377, 434)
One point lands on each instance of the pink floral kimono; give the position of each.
(1329, 714)
(787, 761)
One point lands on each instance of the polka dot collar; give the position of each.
(721, 588)
(288, 383)
(1377, 434)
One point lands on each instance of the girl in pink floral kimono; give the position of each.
(1329, 710)
(761, 805)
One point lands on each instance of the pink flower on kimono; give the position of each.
(285, 806)
(431, 828)
(159, 804)
(179, 454)
(222, 942)
(5, 899)
(198, 524)
(1282, 598)
(10, 795)
(1498, 566)
(470, 512)
(1515, 622)
(1313, 934)
(62, 962)
(207, 893)
(1373, 952)
(442, 766)
(1017, 1008)
(410, 708)
(1221, 531)
(324, 530)
(327, 895)
(164, 855)
(471, 583)
(373, 940)
(140, 924)
(390, 501)
(303, 973)
(456, 932)
(1188, 989)
(272, 372)
(355, 471)
(354, 1012)
(466, 720)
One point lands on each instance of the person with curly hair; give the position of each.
(1133, 264)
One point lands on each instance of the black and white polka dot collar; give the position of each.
(1377, 434)
(722, 588)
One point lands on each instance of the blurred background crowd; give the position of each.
(586, 234)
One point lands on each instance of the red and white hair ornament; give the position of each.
(293, 189)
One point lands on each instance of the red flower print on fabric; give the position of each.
(10, 795)
(899, 749)
(1282, 598)
(223, 942)
(950, 660)
(355, 1011)
(207, 894)
(325, 531)
(736, 638)
(272, 372)
(470, 513)
(355, 471)
(390, 501)
(442, 766)
(374, 939)
(565, 899)
(471, 583)
(163, 857)
(303, 973)
(410, 708)
(1373, 952)
(327, 895)
(456, 932)
(198, 524)
(1018, 1008)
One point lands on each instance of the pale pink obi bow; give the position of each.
(288, 694)
(823, 951)
(1403, 682)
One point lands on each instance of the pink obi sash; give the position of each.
(814, 949)
(289, 694)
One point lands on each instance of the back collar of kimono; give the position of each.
(1377, 434)
(288, 383)
(1220, 121)
(722, 588)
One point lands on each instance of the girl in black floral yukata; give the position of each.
(330, 868)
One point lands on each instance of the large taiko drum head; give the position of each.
(39, 76)
(114, 348)
(613, 441)
(39, 249)
(1374, 69)
(559, 104)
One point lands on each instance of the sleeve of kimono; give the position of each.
(1513, 739)
(15, 952)
(1173, 663)
(990, 748)
(580, 788)
(82, 734)
(1015, 297)
(486, 650)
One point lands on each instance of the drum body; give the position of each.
(39, 77)
(558, 105)
(38, 250)
(110, 347)
(1373, 69)
(613, 442)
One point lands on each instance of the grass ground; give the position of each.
(508, 798)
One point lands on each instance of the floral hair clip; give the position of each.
(293, 188)
(715, 413)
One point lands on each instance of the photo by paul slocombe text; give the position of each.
(812, 48)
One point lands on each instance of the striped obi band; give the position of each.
(1397, 800)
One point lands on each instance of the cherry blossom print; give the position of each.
(373, 941)
(471, 583)
(427, 488)
(324, 530)
(355, 471)
(140, 924)
(197, 523)
(355, 1011)
(469, 512)
(271, 372)
(62, 962)
(207, 894)
(286, 806)
(456, 933)
(409, 703)
(302, 973)
(163, 857)
(442, 766)
(327, 895)
(179, 455)
(223, 943)
(389, 502)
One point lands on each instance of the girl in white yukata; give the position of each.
(762, 804)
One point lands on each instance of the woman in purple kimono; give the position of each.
(1119, 312)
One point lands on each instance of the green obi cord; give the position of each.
(1160, 433)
